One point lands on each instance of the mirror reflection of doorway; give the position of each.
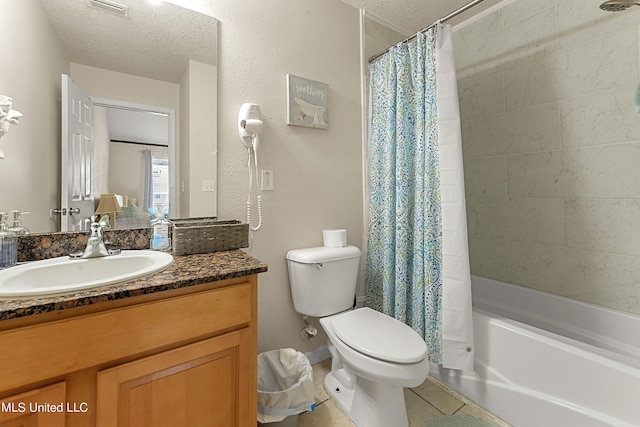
(138, 149)
(113, 147)
(128, 149)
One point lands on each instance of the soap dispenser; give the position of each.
(15, 224)
(161, 240)
(8, 244)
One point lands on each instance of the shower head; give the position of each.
(618, 5)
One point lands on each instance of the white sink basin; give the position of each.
(62, 275)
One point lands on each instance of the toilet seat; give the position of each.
(379, 336)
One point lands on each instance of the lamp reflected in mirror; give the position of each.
(107, 209)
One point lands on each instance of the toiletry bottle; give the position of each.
(161, 240)
(15, 224)
(8, 244)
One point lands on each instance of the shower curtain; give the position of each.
(417, 267)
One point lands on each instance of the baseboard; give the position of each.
(318, 355)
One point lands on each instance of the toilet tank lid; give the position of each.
(322, 254)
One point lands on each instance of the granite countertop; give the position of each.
(186, 270)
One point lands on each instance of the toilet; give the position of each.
(374, 356)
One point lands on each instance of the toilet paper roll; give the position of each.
(336, 238)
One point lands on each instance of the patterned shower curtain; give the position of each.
(404, 247)
(417, 255)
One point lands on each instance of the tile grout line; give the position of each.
(427, 402)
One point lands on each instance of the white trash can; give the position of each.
(285, 387)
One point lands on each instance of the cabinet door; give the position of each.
(42, 407)
(203, 384)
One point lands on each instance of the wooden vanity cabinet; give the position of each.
(186, 357)
(22, 409)
(206, 376)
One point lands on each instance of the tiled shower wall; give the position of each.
(552, 148)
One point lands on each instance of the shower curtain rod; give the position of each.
(443, 19)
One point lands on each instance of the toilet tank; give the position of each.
(323, 279)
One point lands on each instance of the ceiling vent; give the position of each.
(110, 6)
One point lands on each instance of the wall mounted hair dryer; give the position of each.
(249, 128)
(250, 125)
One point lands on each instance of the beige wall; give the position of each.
(552, 148)
(200, 125)
(98, 82)
(317, 173)
(30, 74)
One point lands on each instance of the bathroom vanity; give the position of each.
(177, 348)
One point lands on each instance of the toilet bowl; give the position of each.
(374, 356)
(370, 368)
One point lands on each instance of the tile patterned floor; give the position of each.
(425, 402)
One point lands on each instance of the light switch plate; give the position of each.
(208, 185)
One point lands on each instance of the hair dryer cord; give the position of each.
(259, 197)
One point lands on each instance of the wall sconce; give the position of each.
(109, 206)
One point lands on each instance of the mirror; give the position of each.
(162, 55)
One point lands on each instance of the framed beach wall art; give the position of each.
(307, 103)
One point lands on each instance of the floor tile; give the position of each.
(438, 396)
(418, 410)
(327, 414)
(320, 370)
(425, 402)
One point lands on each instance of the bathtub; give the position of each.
(545, 360)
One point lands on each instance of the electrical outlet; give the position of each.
(208, 185)
(267, 180)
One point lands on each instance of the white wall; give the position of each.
(318, 173)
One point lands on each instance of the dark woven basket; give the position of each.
(203, 235)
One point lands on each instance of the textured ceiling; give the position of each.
(154, 41)
(410, 16)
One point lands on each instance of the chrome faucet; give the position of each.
(95, 245)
